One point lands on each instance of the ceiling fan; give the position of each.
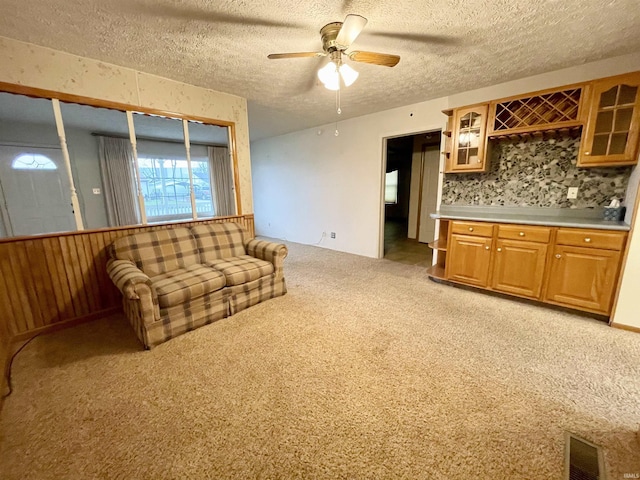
(337, 38)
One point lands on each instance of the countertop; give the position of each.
(552, 217)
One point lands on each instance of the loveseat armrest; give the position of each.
(126, 277)
(268, 251)
(135, 285)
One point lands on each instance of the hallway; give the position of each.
(399, 248)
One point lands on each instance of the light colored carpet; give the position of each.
(365, 369)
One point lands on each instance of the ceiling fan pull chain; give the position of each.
(338, 109)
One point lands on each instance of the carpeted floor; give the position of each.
(365, 369)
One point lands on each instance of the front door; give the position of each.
(36, 190)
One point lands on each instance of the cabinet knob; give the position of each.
(487, 247)
(587, 153)
(471, 229)
(558, 255)
(587, 239)
(521, 234)
(499, 249)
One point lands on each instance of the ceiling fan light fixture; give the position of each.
(329, 76)
(348, 74)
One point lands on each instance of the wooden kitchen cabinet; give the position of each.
(610, 137)
(572, 267)
(469, 140)
(518, 267)
(468, 259)
(583, 278)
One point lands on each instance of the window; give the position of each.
(166, 187)
(391, 187)
(33, 161)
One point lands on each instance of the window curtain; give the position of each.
(118, 178)
(221, 181)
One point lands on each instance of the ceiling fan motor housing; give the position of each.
(329, 34)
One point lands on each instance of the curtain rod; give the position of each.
(153, 139)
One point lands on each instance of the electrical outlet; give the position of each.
(572, 193)
(96, 191)
(333, 234)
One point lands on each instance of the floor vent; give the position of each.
(583, 459)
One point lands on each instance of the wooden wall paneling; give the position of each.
(72, 269)
(89, 279)
(43, 282)
(58, 277)
(27, 268)
(19, 289)
(9, 325)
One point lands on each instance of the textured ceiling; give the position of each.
(449, 46)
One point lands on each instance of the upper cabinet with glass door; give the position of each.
(468, 140)
(610, 137)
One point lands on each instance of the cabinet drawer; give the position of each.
(525, 232)
(607, 240)
(472, 228)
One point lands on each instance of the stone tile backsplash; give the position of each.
(536, 172)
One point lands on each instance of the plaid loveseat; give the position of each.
(177, 279)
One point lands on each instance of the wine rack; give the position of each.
(556, 109)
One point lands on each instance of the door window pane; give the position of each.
(34, 183)
(33, 161)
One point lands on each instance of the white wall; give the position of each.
(306, 184)
(627, 311)
(40, 67)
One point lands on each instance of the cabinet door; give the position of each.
(611, 134)
(469, 140)
(518, 267)
(583, 278)
(468, 259)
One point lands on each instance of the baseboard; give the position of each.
(625, 327)
(72, 322)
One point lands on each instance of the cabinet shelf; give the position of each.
(436, 271)
(438, 245)
(572, 128)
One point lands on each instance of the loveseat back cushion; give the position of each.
(184, 284)
(242, 269)
(159, 251)
(219, 240)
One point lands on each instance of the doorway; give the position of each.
(36, 190)
(410, 195)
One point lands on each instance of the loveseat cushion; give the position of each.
(242, 269)
(184, 284)
(159, 251)
(217, 241)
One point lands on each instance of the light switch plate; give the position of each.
(572, 193)
(96, 191)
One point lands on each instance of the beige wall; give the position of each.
(34, 66)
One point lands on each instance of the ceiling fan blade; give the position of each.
(276, 56)
(384, 59)
(419, 37)
(351, 28)
(200, 14)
